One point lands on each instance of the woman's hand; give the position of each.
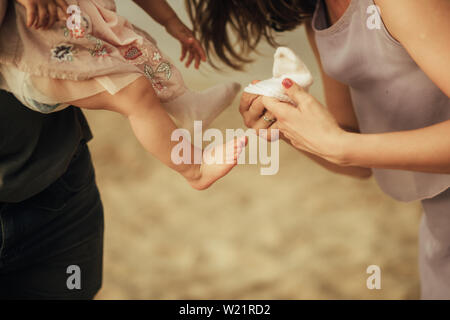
(308, 125)
(257, 117)
(255, 114)
(43, 13)
(189, 45)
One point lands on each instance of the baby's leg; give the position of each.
(189, 105)
(153, 128)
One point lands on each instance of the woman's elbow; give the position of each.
(356, 172)
(363, 173)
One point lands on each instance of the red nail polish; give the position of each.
(287, 83)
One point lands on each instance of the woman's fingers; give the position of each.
(197, 60)
(200, 50)
(199, 54)
(31, 15)
(251, 107)
(254, 112)
(197, 47)
(246, 101)
(297, 93)
(62, 4)
(44, 14)
(42, 17)
(53, 14)
(257, 108)
(196, 53)
(280, 110)
(269, 116)
(266, 121)
(190, 59)
(257, 117)
(183, 52)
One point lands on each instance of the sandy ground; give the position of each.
(303, 233)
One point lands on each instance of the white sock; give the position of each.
(286, 65)
(205, 105)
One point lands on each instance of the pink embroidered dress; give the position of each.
(45, 69)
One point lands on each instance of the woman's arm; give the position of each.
(43, 13)
(422, 27)
(163, 13)
(311, 127)
(425, 150)
(352, 171)
(159, 10)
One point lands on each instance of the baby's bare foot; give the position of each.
(217, 162)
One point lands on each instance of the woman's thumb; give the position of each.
(293, 90)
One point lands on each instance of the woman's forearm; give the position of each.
(424, 150)
(352, 171)
(159, 10)
(356, 172)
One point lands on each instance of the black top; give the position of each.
(35, 148)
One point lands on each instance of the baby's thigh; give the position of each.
(133, 98)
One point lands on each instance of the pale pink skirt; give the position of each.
(45, 69)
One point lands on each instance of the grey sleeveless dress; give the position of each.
(391, 93)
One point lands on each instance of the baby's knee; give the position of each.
(136, 97)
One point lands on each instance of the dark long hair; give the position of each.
(248, 20)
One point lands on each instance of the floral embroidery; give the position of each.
(157, 85)
(134, 54)
(77, 33)
(100, 49)
(164, 68)
(66, 32)
(156, 56)
(99, 52)
(63, 52)
(149, 72)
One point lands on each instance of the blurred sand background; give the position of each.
(303, 233)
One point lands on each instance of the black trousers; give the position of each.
(51, 245)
